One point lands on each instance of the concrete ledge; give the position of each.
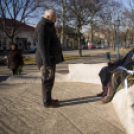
(124, 106)
(87, 73)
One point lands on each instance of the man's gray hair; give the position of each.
(50, 13)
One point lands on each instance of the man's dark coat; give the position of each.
(49, 49)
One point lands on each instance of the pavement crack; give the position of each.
(93, 112)
(71, 123)
(103, 119)
(16, 98)
(7, 127)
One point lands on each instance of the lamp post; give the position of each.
(118, 24)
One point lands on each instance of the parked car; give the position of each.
(129, 46)
(33, 49)
(103, 46)
(98, 46)
(92, 46)
(84, 47)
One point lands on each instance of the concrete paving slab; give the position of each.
(80, 112)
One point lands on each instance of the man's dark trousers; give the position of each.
(47, 87)
(14, 71)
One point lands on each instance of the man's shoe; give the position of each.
(52, 105)
(54, 101)
(100, 94)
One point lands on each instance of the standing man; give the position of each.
(48, 54)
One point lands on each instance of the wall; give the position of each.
(71, 43)
(26, 34)
(23, 34)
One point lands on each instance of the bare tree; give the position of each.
(115, 10)
(63, 19)
(18, 11)
(82, 13)
(97, 9)
(129, 14)
(124, 35)
(108, 35)
(77, 16)
(108, 19)
(92, 30)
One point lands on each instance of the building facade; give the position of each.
(71, 40)
(24, 38)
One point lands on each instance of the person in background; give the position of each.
(15, 59)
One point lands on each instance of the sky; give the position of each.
(125, 2)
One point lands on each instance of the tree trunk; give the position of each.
(132, 39)
(91, 33)
(79, 37)
(114, 45)
(114, 38)
(108, 42)
(126, 40)
(63, 23)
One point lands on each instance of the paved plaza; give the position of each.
(22, 110)
(81, 112)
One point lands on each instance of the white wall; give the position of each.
(26, 34)
(23, 34)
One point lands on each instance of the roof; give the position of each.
(9, 24)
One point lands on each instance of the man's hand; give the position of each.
(46, 73)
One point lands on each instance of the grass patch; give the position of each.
(31, 60)
(121, 50)
(73, 57)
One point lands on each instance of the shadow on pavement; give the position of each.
(81, 100)
(3, 78)
(62, 71)
(25, 77)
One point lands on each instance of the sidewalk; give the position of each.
(22, 111)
